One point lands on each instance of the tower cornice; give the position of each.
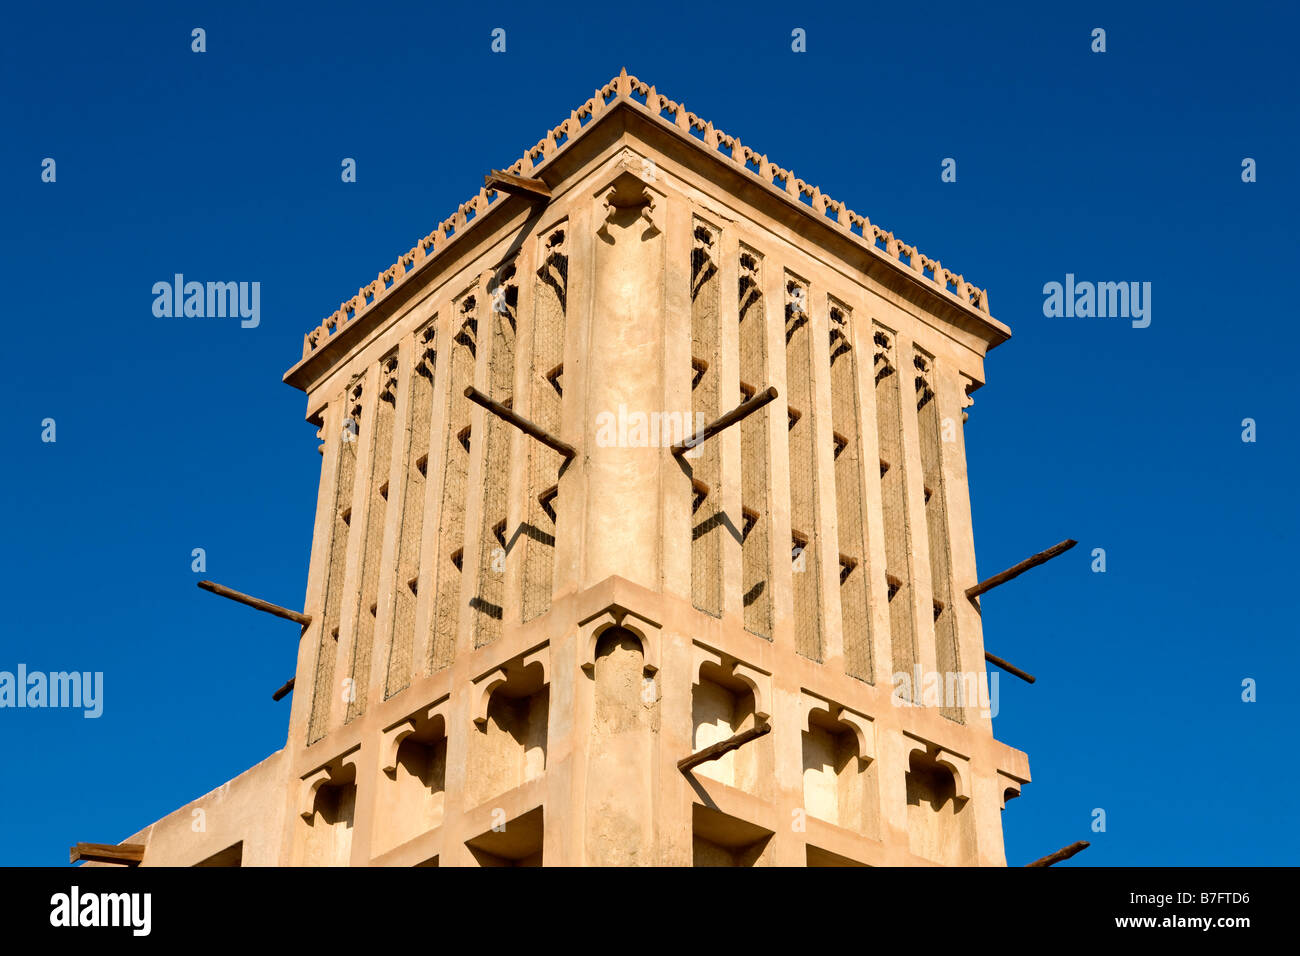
(886, 256)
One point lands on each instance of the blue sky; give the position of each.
(174, 434)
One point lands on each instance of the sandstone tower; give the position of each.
(512, 645)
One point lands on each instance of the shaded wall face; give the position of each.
(706, 853)
(850, 505)
(708, 517)
(415, 462)
(717, 713)
(487, 573)
(546, 396)
(940, 827)
(375, 509)
(342, 445)
(510, 749)
(412, 800)
(930, 428)
(449, 559)
(838, 786)
(755, 449)
(326, 840)
(804, 458)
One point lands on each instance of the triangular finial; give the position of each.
(623, 72)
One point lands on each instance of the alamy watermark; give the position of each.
(72, 689)
(125, 910)
(955, 689)
(624, 429)
(211, 300)
(1102, 300)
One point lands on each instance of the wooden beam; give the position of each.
(741, 411)
(284, 691)
(1009, 668)
(523, 424)
(1062, 854)
(129, 853)
(256, 603)
(714, 751)
(1019, 569)
(529, 187)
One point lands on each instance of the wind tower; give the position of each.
(643, 475)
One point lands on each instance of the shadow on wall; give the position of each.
(721, 707)
(839, 786)
(327, 840)
(940, 825)
(510, 748)
(413, 802)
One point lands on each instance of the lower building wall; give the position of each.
(237, 824)
(559, 745)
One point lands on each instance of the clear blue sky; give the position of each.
(174, 434)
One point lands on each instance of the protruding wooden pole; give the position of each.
(714, 751)
(283, 691)
(1019, 569)
(740, 412)
(129, 853)
(1009, 668)
(257, 603)
(523, 424)
(529, 187)
(1063, 854)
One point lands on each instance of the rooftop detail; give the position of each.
(648, 101)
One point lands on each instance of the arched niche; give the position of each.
(507, 746)
(412, 791)
(840, 780)
(593, 627)
(727, 698)
(940, 820)
(327, 807)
